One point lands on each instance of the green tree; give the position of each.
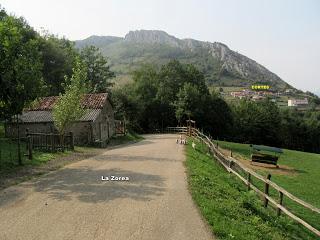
(98, 72)
(3, 13)
(126, 106)
(257, 122)
(68, 108)
(20, 65)
(58, 57)
(209, 111)
(173, 76)
(171, 95)
(189, 100)
(144, 94)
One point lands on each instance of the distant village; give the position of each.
(292, 99)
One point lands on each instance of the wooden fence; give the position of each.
(246, 175)
(49, 142)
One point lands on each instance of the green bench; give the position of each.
(265, 154)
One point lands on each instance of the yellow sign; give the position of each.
(260, 87)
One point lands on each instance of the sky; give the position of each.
(282, 35)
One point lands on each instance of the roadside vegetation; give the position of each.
(298, 173)
(9, 156)
(130, 137)
(231, 211)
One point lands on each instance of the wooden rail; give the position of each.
(231, 164)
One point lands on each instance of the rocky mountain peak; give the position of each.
(208, 55)
(152, 37)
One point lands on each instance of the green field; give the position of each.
(231, 210)
(302, 179)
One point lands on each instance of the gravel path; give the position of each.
(74, 203)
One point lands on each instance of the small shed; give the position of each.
(95, 127)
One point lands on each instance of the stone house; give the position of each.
(298, 102)
(95, 127)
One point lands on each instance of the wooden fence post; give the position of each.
(249, 181)
(280, 202)
(53, 142)
(230, 165)
(46, 142)
(71, 141)
(62, 140)
(27, 134)
(266, 190)
(29, 144)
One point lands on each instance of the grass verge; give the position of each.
(303, 181)
(231, 210)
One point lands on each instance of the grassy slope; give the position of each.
(304, 183)
(232, 211)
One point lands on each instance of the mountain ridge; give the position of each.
(220, 64)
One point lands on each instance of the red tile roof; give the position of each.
(89, 101)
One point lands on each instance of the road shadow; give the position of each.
(86, 185)
(8, 196)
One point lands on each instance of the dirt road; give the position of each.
(75, 203)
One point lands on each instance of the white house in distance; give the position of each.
(239, 94)
(298, 102)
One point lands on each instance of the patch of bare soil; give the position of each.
(281, 169)
(28, 172)
(225, 151)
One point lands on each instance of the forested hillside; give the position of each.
(220, 65)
